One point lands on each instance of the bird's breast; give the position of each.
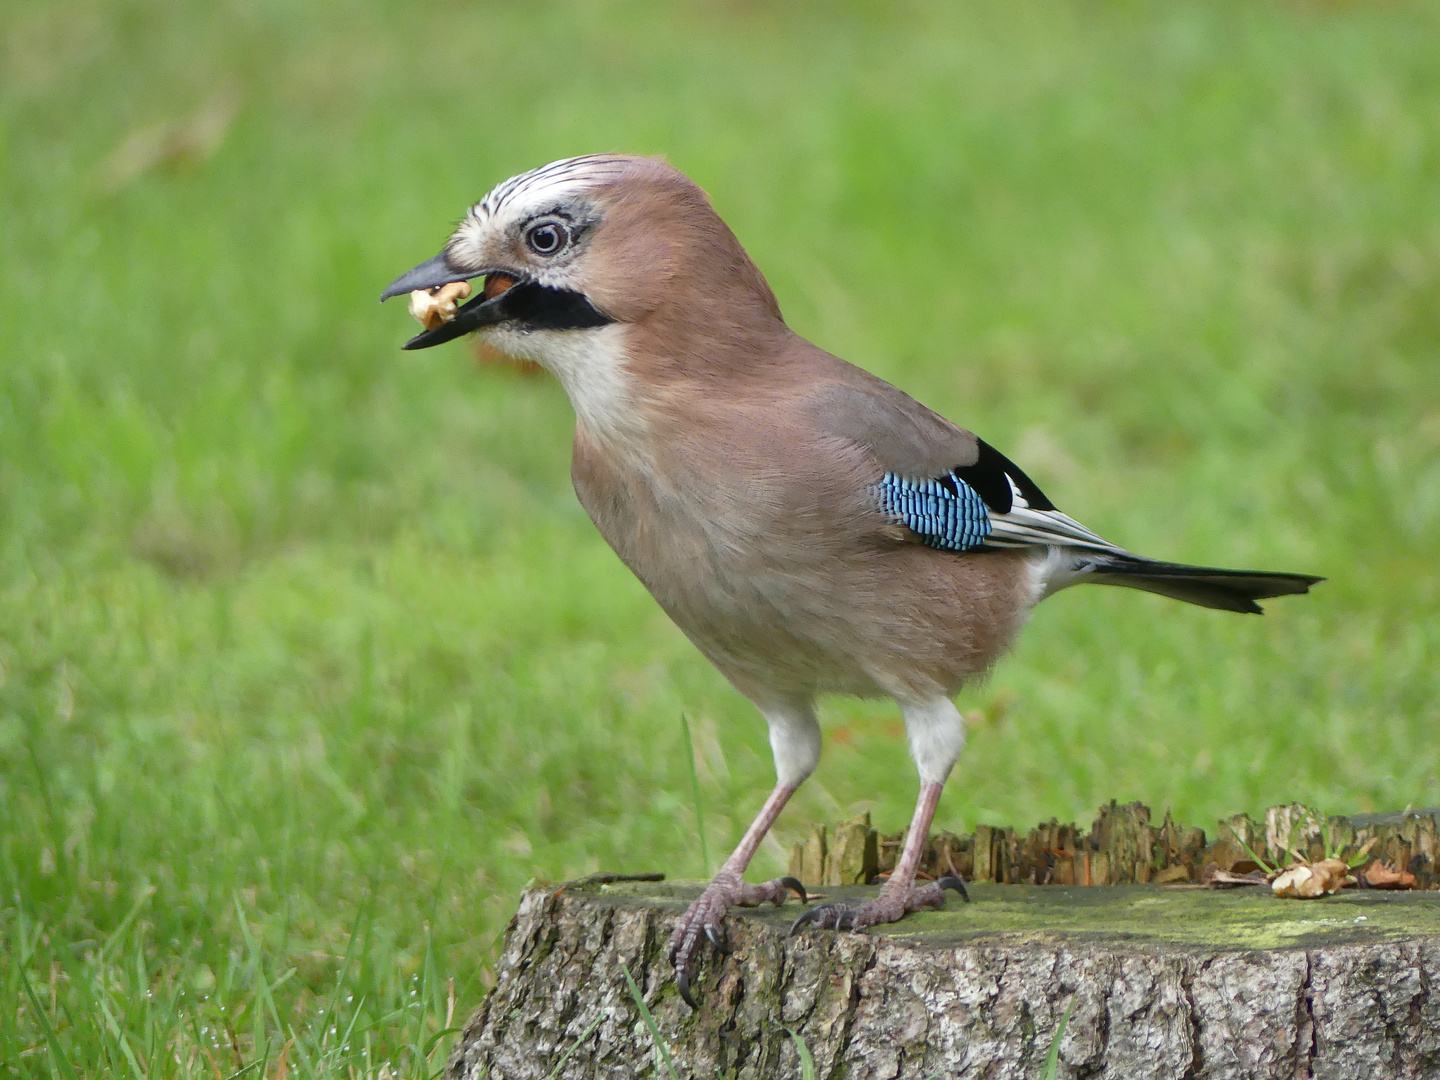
(785, 579)
(730, 547)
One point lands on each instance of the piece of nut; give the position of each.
(1305, 881)
(435, 307)
(1289, 882)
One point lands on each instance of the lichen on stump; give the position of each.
(1164, 983)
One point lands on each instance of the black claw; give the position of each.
(815, 915)
(682, 983)
(719, 937)
(794, 885)
(955, 882)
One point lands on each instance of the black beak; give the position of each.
(433, 273)
(526, 303)
(428, 275)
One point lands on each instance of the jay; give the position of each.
(808, 526)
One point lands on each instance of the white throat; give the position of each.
(590, 365)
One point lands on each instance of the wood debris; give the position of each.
(1215, 878)
(1124, 846)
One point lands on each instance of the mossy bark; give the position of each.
(1164, 983)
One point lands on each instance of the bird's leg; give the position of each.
(898, 896)
(728, 889)
(937, 733)
(795, 742)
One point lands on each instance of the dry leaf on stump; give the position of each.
(1379, 876)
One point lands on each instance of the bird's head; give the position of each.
(582, 244)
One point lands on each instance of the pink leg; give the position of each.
(898, 896)
(728, 890)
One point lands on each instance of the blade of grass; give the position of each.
(430, 1042)
(119, 931)
(1052, 1056)
(121, 1040)
(264, 988)
(574, 1046)
(1359, 857)
(807, 1063)
(332, 1011)
(260, 1043)
(650, 1023)
(81, 1005)
(695, 788)
(1251, 852)
(343, 1045)
(57, 837)
(62, 1063)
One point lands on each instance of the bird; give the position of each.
(810, 528)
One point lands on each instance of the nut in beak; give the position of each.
(435, 307)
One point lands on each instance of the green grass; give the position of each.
(663, 1057)
(1052, 1055)
(308, 658)
(803, 1055)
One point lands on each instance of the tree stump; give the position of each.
(1160, 983)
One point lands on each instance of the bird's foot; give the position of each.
(706, 916)
(891, 905)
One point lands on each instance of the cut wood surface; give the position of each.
(1163, 983)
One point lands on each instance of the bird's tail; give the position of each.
(1228, 590)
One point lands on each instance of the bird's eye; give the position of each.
(547, 238)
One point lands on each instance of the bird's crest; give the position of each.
(554, 181)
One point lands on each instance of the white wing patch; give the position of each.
(1025, 527)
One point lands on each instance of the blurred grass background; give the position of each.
(308, 657)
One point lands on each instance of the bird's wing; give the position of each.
(948, 487)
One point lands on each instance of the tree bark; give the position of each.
(1160, 983)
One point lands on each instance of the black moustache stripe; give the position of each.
(536, 307)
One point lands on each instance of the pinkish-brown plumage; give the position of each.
(809, 527)
(780, 566)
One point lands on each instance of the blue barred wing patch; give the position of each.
(945, 512)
